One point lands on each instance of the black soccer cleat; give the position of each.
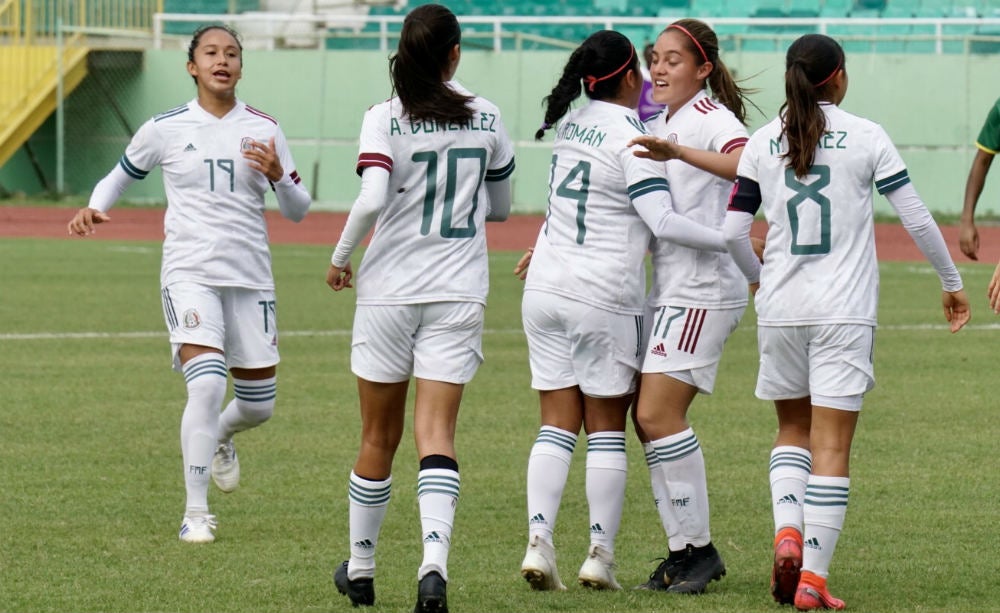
(360, 591)
(661, 578)
(432, 594)
(701, 566)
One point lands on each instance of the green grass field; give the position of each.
(92, 492)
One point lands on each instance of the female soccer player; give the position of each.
(697, 298)
(812, 169)
(584, 294)
(435, 163)
(219, 157)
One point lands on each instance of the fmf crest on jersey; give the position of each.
(672, 138)
(191, 319)
(247, 144)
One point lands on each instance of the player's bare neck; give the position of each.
(217, 105)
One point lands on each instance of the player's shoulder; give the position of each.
(254, 111)
(655, 118)
(381, 109)
(708, 106)
(172, 114)
(766, 134)
(484, 105)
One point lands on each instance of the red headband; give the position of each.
(826, 80)
(592, 81)
(704, 55)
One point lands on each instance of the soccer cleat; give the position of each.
(198, 529)
(787, 565)
(432, 594)
(361, 591)
(812, 594)
(539, 566)
(660, 579)
(598, 569)
(226, 467)
(701, 566)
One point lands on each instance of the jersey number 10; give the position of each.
(430, 158)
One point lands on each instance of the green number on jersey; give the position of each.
(450, 187)
(227, 166)
(578, 194)
(808, 195)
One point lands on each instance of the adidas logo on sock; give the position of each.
(596, 529)
(813, 543)
(434, 537)
(190, 147)
(788, 499)
(537, 518)
(659, 350)
(364, 544)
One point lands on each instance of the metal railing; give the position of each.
(29, 21)
(271, 30)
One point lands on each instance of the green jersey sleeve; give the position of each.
(989, 136)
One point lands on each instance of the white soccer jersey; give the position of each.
(819, 262)
(592, 244)
(429, 243)
(683, 276)
(214, 224)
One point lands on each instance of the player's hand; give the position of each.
(758, 247)
(521, 269)
(658, 149)
(264, 157)
(339, 278)
(84, 221)
(968, 240)
(956, 308)
(993, 291)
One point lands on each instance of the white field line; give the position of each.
(49, 336)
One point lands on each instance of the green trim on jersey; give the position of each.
(647, 186)
(892, 183)
(989, 136)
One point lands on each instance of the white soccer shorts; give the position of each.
(240, 322)
(437, 341)
(832, 360)
(686, 343)
(572, 343)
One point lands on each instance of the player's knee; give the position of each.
(256, 412)
(208, 389)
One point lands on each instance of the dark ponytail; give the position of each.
(602, 61)
(810, 65)
(429, 33)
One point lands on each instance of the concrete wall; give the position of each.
(933, 107)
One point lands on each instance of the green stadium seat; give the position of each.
(835, 8)
(869, 5)
(650, 8)
(671, 13)
(961, 11)
(802, 9)
(611, 7)
(712, 8)
(901, 7)
(895, 11)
